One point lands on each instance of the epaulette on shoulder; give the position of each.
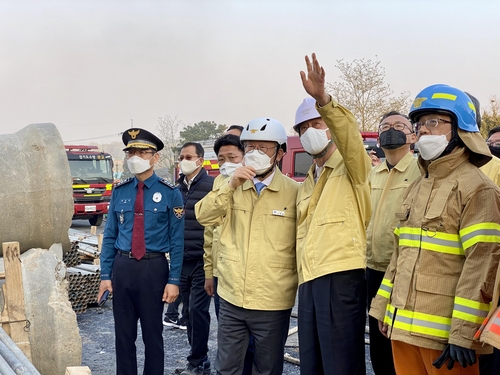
(168, 183)
(124, 182)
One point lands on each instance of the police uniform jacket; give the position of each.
(163, 223)
(212, 234)
(193, 231)
(256, 259)
(439, 284)
(387, 189)
(332, 215)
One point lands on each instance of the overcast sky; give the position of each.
(91, 67)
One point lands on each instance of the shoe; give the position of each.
(181, 324)
(203, 369)
(168, 322)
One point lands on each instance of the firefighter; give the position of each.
(438, 287)
(389, 181)
(256, 265)
(489, 363)
(334, 210)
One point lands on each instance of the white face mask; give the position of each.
(431, 146)
(137, 165)
(188, 166)
(227, 169)
(314, 140)
(261, 162)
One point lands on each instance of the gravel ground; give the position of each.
(97, 333)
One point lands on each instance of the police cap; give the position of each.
(141, 138)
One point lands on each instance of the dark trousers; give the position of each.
(197, 303)
(269, 330)
(173, 309)
(137, 295)
(489, 364)
(247, 367)
(332, 317)
(216, 297)
(380, 346)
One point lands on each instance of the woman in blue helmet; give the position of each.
(438, 287)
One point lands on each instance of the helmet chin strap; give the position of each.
(454, 142)
(322, 153)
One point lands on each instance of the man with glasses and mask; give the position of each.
(145, 221)
(334, 210)
(256, 264)
(438, 287)
(194, 183)
(389, 181)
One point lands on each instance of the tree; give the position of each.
(168, 128)
(202, 131)
(364, 92)
(490, 119)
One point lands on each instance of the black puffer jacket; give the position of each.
(193, 231)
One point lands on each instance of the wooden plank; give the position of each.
(99, 241)
(93, 230)
(14, 296)
(78, 370)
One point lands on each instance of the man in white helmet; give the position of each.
(333, 211)
(257, 276)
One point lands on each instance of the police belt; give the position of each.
(146, 256)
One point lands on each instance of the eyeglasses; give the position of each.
(493, 144)
(262, 149)
(310, 124)
(188, 157)
(141, 153)
(397, 126)
(429, 124)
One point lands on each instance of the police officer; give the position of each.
(145, 221)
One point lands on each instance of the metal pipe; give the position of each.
(5, 338)
(13, 361)
(5, 369)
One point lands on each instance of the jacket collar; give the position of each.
(147, 182)
(333, 162)
(400, 167)
(275, 185)
(201, 175)
(445, 165)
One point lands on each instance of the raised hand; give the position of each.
(314, 81)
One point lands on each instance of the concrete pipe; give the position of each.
(36, 194)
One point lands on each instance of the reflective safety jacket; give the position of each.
(212, 234)
(492, 170)
(387, 190)
(256, 262)
(439, 284)
(332, 214)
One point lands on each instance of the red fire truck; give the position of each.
(92, 174)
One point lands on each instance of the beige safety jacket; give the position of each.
(439, 284)
(256, 263)
(332, 214)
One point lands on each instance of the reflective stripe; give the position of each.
(434, 241)
(385, 289)
(442, 95)
(389, 314)
(396, 230)
(469, 310)
(472, 106)
(427, 324)
(482, 232)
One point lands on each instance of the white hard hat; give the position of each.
(306, 111)
(265, 129)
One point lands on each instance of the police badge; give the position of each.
(178, 212)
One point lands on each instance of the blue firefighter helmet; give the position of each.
(449, 100)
